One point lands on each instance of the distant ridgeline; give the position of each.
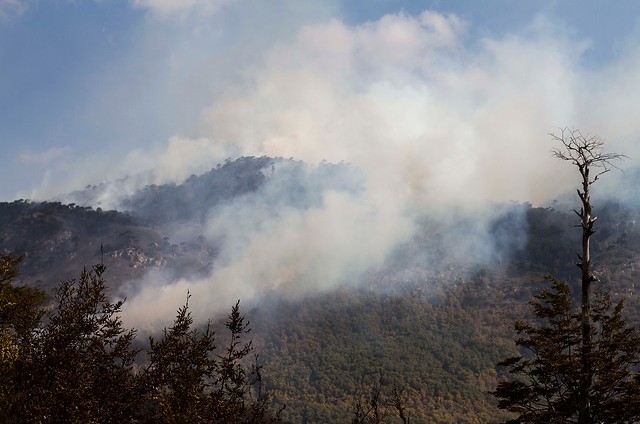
(56, 239)
(291, 181)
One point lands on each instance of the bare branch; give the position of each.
(585, 151)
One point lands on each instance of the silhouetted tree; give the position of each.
(20, 307)
(180, 365)
(190, 383)
(20, 314)
(74, 362)
(585, 152)
(547, 380)
(78, 367)
(375, 406)
(577, 366)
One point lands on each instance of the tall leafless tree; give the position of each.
(586, 153)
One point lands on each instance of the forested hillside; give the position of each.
(430, 321)
(442, 350)
(441, 333)
(58, 239)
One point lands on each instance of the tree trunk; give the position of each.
(584, 415)
(585, 152)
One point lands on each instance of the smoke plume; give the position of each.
(438, 124)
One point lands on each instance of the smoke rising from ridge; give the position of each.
(435, 121)
(274, 240)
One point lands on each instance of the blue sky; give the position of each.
(97, 90)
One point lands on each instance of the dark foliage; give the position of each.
(77, 365)
(546, 378)
(20, 315)
(20, 307)
(189, 383)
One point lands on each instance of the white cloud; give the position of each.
(9, 8)
(166, 8)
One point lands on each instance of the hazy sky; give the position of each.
(97, 89)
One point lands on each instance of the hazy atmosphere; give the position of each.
(431, 104)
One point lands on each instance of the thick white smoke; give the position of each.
(268, 244)
(435, 121)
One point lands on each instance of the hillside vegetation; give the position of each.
(427, 321)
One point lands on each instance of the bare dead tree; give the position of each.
(397, 400)
(587, 154)
(371, 410)
(377, 405)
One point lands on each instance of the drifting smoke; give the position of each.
(439, 125)
(305, 230)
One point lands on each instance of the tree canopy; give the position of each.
(75, 362)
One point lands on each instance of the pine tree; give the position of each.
(74, 362)
(579, 365)
(547, 378)
(79, 366)
(180, 365)
(189, 383)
